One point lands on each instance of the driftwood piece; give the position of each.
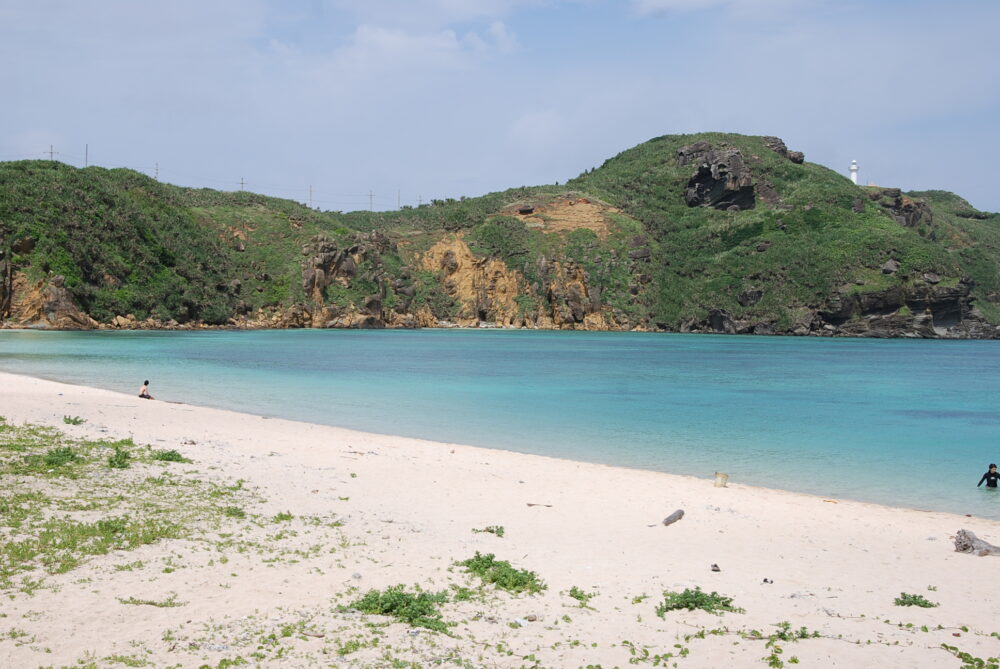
(967, 542)
(674, 517)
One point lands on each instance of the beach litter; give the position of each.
(674, 517)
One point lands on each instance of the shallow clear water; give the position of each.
(904, 422)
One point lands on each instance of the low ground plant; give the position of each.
(119, 459)
(169, 456)
(418, 608)
(581, 596)
(906, 599)
(501, 574)
(691, 600)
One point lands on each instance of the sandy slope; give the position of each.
(408, 508)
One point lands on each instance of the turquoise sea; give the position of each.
(903, 422)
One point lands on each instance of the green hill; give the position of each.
(709, 232)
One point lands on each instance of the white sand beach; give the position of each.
(371, 511)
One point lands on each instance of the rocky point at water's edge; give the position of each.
(705, 233)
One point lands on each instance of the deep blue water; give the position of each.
(903, 422)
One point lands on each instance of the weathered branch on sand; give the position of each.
(967, 542)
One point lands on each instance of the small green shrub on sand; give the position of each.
(581, 596)
(696, 599)
(169, 456)
(418, 609)
(56, 457)
(905, 599)
(119, 459)
(74, 420)
(502, 574)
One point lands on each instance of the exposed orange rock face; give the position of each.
(485, 287)
(46, 304)
(574, 305)
(565, 214)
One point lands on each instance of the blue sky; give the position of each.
(442, 98)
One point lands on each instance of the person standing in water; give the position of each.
(990, 477)
(144, 394)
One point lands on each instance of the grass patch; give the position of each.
(490, 529)
(74, 420)
(234, 512)
(581, 596)
(120, 459)
(691, 600)
(283, 517)
(501, 574)
(418, 609)
(45, 534)
(169, 456)
(58, 545)
(167, 603)
(906, 599)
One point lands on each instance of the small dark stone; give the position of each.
(24, 245)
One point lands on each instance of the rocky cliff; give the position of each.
(700, 233)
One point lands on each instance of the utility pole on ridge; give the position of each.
(371, 200)
(242, 183)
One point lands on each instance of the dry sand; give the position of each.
(408, 509)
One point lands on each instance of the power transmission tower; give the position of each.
(86, 155)
(371, 201)
(310, 196)
(52, 152)
(397, 199)
(242, 183)
(157, 172)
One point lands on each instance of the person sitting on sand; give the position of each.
(990, 477)
(144, 394)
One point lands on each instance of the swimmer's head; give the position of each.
(992, 466)
(146, 383)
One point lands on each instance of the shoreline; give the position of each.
(408, 509)
(418, 441)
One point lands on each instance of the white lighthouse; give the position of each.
(854, 172)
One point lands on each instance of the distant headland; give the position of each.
(684, 233)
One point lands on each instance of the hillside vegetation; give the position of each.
(709, 232)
